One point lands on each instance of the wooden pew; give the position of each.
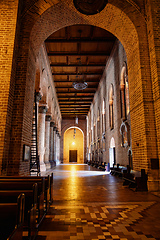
(11, 219)
(117, 170)
(26, 184)
(30, 223)
(136, 180)
(48, 192)
(102, 166)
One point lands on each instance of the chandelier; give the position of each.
(79, 84)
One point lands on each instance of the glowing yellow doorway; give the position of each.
(73, 140)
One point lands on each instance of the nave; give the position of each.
(90, 204)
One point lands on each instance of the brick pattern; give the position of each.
(90, 204)
(94, 221)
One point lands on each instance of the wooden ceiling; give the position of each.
(78, 52)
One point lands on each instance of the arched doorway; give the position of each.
(112, 159)
(73, 145)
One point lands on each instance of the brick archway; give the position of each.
(68, 141)
(128, 24)
(68, 124)
(125, 26)
(134, 39)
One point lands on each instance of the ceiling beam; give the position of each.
(56, 53)
(81, 40)
(65, 87)
(74, 104)
(74, 108)
(77, 65)
(75, 114)
(75, 74)
(70, 81)
(75, 91)
(84, 98)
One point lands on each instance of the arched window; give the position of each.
(98, 123)
(111, 93)
(125, 132)
(103, 116)
(94, 128)
(130, 162)
(112, 158)
(124, 92)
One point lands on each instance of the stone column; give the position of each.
(54, 143)
(47, 141)
(51, 157)
(41, 136)
(58, 147)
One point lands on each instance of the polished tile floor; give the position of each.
(90, 204)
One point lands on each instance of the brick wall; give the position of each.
(111, 77)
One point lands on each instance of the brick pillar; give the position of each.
(153, 30)
(41, 136)
(8, 40)
(47, 141)
(51, 157)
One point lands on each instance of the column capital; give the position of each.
(48, 118)
(52, 124)
(55, 129)
(38, 96)
(42, 109)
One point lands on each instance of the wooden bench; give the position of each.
(102, 166)
(30, 223)
(48, 196)
(11, 219)
(117, 170)
(136, 180)
(26, 184)
(96, 164)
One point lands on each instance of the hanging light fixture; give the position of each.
(76, 120)
(90, 7)
(79, 84)
(74, 135)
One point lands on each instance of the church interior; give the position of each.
(80, 119)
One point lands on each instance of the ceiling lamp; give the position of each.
(76, 120)
(79, 84)
(90, 7)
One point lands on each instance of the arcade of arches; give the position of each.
(122, 123)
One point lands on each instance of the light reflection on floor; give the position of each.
(90, 204)
(73, 172)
